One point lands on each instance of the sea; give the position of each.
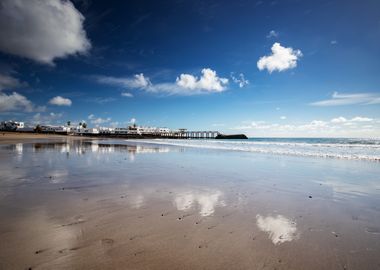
(340, 148)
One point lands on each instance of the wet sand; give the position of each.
(68, 203)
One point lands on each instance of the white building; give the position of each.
(11, 125)
(54, 129)
(84, 131)
(106, 130)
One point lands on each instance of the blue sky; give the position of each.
(264, 68)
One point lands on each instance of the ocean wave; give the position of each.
(339, 150)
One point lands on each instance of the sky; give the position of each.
(289, 68)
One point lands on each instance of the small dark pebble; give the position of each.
(310, 197)
(162, 215)
(179, 218)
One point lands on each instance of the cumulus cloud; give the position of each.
(126, 94)
(209, 81)
(358, 126)
(40, 118)
(283, 117)
(60, 101)
(272, 34)
(240, 80)
(132, 121)
(339, 119)
(42, 30)
(185, 84)
(361, 119)
(137, 81)
(349, 99)
(98, 120)
(101, 100)
(9, 82)
(17, 102)
(281, 59)
(348, 122)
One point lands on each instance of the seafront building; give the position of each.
(83, 130)
(11, 125)
(132, 131)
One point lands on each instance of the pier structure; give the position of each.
(185, 134)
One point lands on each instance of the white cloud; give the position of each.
(209, 81)
(132, 121)
(283, 117)
(17, 102)
(9, 82)
(349, 99)
(281, 59)
(42, 30)
(101, 100)
(39, 118)
(60, 101)
(340, 119)
(272, 33)
(137, 81)
(185, 84)
(336, 127)
(333, 42)
(98, 120)
(114, 124)
(355, 119)
(361, 119)
(240, 80)
(126, 94)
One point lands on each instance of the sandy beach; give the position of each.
(82, 203)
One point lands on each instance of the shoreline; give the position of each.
(308, 149)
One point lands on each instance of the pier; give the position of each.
(184, 134)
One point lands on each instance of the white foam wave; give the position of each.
(370, 152)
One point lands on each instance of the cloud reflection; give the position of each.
(279, 228)
(205, 201)
(342, 189)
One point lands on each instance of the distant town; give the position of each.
(132, 131)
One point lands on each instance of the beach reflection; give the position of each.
(279, 228)
(205, 201)
(202, 200)
(57, 176)
(82, 147)
(342, 189)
